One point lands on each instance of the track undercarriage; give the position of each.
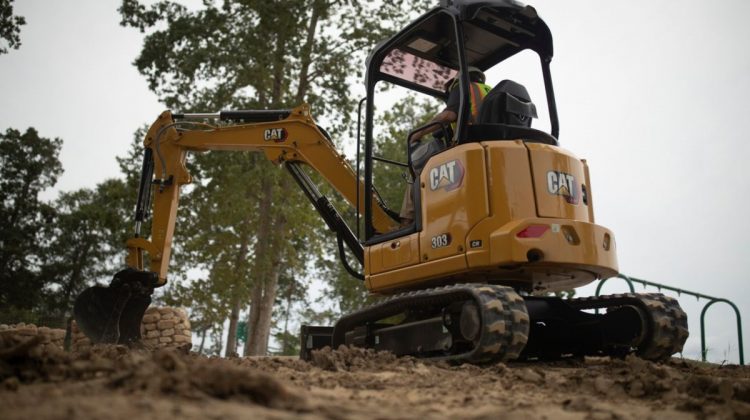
(482, 323)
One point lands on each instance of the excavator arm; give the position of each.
(288, 137)
(293, 140)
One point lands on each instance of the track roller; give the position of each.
(473, 323)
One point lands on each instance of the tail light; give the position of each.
(533, 231)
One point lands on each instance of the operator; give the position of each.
(478, 90)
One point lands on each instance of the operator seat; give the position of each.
(507, 103)
(506, 114)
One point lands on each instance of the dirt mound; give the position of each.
(354, 359)
(119, 369)
(116, 382)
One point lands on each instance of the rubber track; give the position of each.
(504, 319)
(667, 323)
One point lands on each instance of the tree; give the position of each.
(261, 54)
(28, 165)
(85, 237)
(10, 27)
(85, 242)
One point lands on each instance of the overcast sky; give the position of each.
(653, 94)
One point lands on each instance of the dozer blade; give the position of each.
(113, 314)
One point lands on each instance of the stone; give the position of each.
(182, 339)
(151, 318)
(603, 385)
(27, 330)
(168, 332)
(149, 327)
(165, 339)
(163, 325)
(153, 334)
(529, 375)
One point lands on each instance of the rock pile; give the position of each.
(166, 327)
(163, 327)
(52, 338)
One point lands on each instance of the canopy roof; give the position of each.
(424, 55)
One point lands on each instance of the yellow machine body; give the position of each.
(504, 212)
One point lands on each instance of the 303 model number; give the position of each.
(441, 241)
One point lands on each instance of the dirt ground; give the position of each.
(113, 382)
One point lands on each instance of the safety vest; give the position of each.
(477, 93)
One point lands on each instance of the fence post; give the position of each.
(739, 328)
(602, 281)
(622, 276)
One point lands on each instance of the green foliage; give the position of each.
(259, 53)
(28, 165)
(289, 343)
(86, 240)
(51, 251)
(291, 290)
(10, 27)
(390, 142)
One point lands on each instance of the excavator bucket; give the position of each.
(113, 314)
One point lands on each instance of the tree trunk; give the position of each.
(306, 59)
(203, 340)
(262, 330)
(267, 268)
(234, 318)
(264, 294)
(287, 314)
(251, 348)
(260, 271)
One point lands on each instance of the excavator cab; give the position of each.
(427, 58)
(489, 183)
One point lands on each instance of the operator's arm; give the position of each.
(446, 116)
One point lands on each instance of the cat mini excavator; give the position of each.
(503, 214)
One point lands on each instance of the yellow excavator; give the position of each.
(504, 216)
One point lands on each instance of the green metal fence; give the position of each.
(711, 301)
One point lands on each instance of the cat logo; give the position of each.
(277, 135)
(560, 183)
(448, 175)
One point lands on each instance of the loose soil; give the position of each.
(112, 382)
